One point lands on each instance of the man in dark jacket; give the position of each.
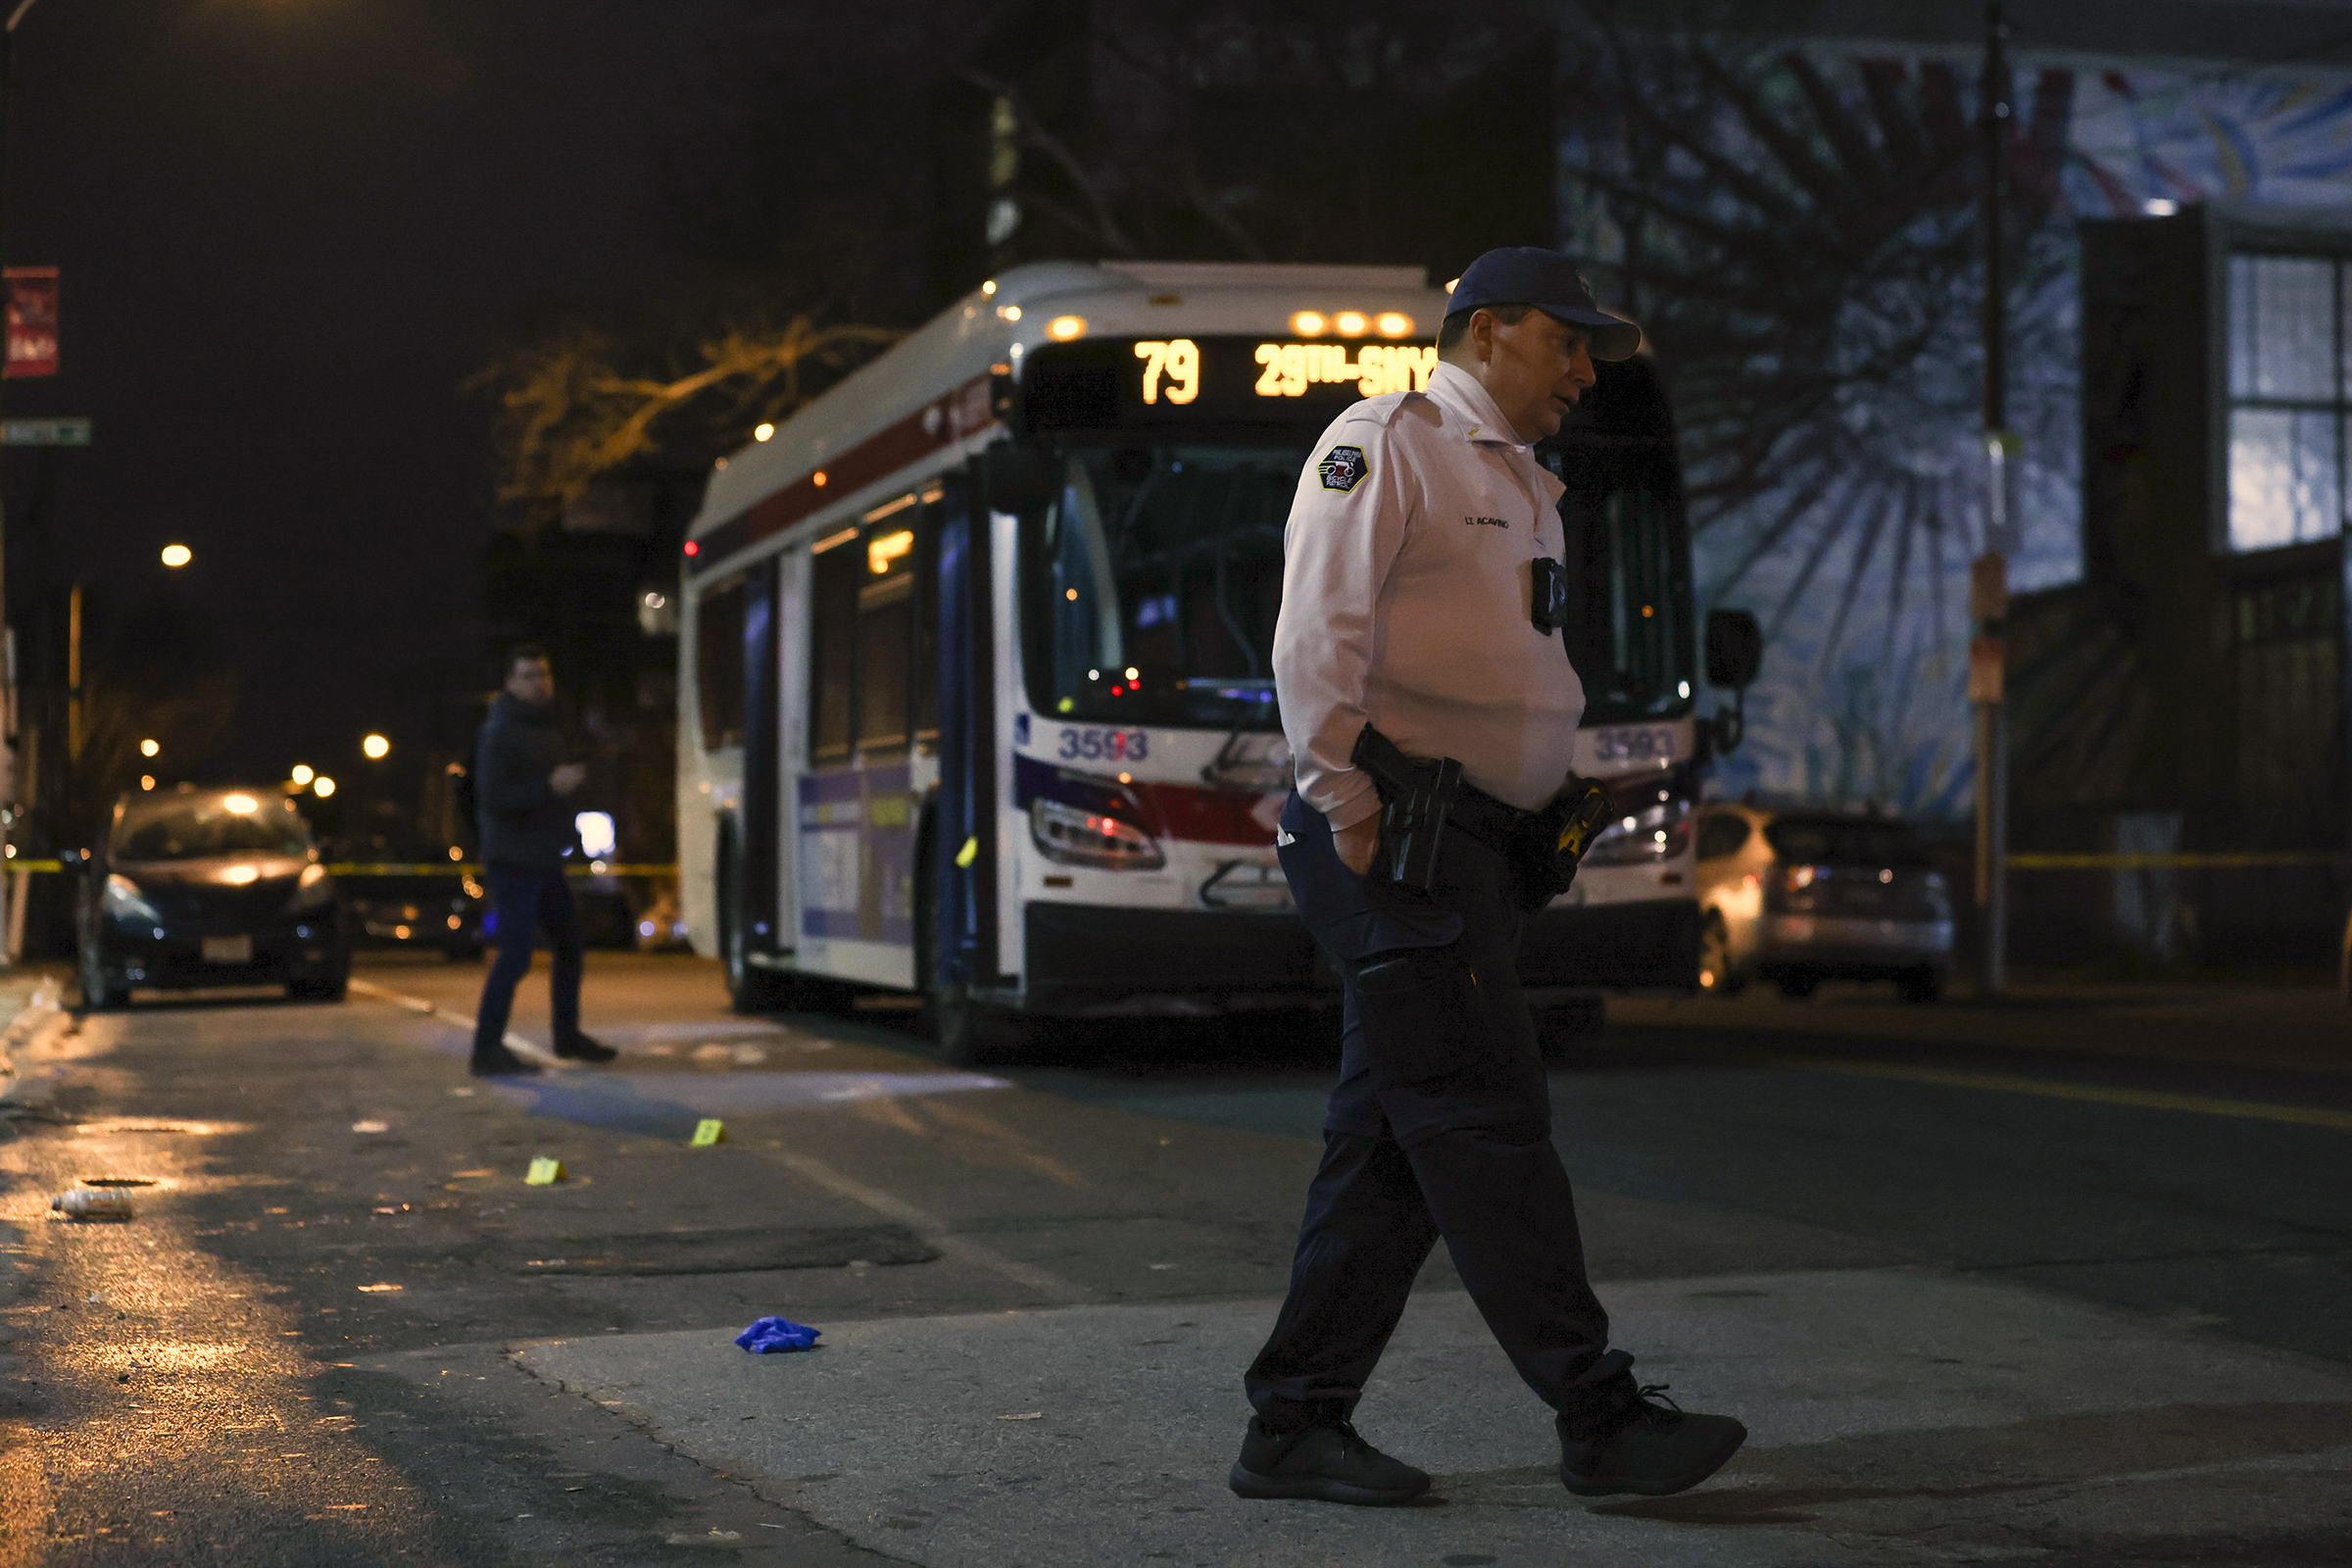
(522, 786)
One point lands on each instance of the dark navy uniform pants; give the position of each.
(525, 898)
(1440, 1127)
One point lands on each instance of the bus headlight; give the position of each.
(1645, 838)
(1075, 836)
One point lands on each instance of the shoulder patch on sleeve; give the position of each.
(1342, 469)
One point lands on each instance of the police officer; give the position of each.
(1420, 597)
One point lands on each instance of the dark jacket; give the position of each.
(522, 820)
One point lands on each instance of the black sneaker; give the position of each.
(1637, 1439)
(497, 1062)
(579, 1047)
(1329, 1463)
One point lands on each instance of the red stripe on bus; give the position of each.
(940, 422)
(1206, 816)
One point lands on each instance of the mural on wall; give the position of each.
(1799, 233)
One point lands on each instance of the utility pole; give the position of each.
(1988, 576)
(8, 699)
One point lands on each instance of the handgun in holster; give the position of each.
(1414, 797)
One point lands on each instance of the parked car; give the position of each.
(444, 909)
(209, 887)
(1795, 896)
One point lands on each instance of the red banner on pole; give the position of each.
(31, 320)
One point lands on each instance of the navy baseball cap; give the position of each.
(1529, 275)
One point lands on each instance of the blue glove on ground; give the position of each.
(777, 1334)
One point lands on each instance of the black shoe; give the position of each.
(1617, 1437)
(579, 1047)
(497, 1062)
(1329, 1463)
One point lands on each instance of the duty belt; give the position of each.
(1498, 824)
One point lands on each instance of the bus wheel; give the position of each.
(972, 1034)
(749, 988)
(1717, 975)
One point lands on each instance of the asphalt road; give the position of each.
(302, 1349)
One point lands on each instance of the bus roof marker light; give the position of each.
(1394, 323)
(883, 549)
(1011, 313)
(988, 289)
(1062, 329)
(1308, 324)
(1351, 324)
(693, 548)
(763, 431)
(817, 478)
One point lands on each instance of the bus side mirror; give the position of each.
(1015, 478)
(1735, 649)
(1735, 653)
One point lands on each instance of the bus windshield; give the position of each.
(1151, 583)
(1630, 632)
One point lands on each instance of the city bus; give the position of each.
(977, 698)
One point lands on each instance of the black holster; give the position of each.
(1556, 840)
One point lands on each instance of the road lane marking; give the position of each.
(932, 1229)
(456, 1020)
(965, 1120)
(2055, 1089)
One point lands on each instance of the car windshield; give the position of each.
(1813, 840)
(210, 825)
(1153, 581)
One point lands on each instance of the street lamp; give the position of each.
(376, 746)
(177, 555)
(322, 786)
(150, 748)
(302, 773)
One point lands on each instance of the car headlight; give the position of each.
(1076, 836)
(1659, 833)
(122, 901)
(314, 890)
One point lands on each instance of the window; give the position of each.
(886, 637)
(835, 576)
(2287, 399)
(719, 663)
(870, 644)
(1843, 841)
(1151, 585)
(1629, 589)
(1721, 834)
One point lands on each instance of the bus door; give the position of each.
(962, 846)
(736, 647)
(867, 705)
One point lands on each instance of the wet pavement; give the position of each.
(1985, 1289)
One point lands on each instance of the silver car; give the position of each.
(1798, 896)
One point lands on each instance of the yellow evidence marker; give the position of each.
(706, 1132)
(544, 1172)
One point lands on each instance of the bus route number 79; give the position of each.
(1103, 745)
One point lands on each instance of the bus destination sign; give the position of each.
(1111, 383)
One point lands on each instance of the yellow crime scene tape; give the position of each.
(427, 868)
(2182, 861)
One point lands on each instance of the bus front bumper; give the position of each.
(1086, 957)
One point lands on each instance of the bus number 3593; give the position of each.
(1103, 745)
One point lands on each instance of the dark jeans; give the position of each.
(525, 898)
(1440, 1127)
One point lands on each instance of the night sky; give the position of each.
(289, 231)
